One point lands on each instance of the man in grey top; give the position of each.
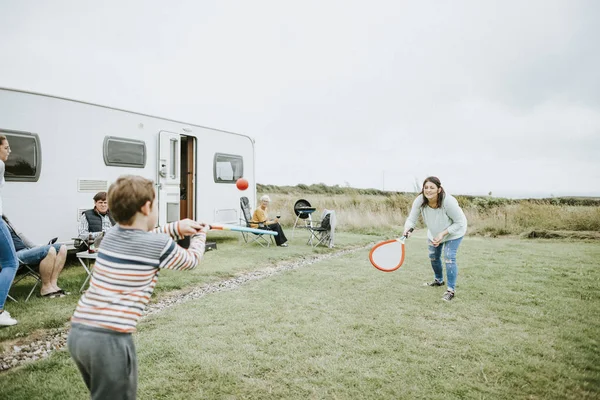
(446, 225)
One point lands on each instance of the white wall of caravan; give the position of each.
(72, 135)
(217, 197)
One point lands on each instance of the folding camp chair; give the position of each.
(23, 271)
(253, 237)
(323, 232)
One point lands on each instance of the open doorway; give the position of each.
(187, 201)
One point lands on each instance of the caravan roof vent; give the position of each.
(91, 185)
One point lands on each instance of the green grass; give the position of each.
(232, 257)
(524, 325)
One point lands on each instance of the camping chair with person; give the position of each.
(25, 270)
(323, 232)
(247, 220)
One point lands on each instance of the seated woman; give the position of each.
(95, 221)
(261, 216)
(50, 258)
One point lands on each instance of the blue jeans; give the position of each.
(35, 255)
(449, 248)
(8, 262)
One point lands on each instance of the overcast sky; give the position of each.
(500, 96)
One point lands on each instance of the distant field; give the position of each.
(524, 325)
(372, 211)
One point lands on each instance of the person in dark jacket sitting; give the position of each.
(97, 220)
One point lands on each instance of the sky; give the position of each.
(490, 96)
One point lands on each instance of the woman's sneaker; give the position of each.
(6, 319)
(448, 296)
(434, 283)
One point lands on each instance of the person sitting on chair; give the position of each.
(97, 220)
(261, 216)
(50, 258)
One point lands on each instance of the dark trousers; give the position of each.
(106, 360)
(280, 237)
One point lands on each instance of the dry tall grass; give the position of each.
(370, 213)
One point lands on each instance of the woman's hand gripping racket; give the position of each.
(388, 255)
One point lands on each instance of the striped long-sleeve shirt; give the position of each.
(126, 272)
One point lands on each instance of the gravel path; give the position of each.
(41, 345)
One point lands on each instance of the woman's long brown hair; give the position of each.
(436, 181)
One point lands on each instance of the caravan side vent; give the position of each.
(80, 211)
(91, 185)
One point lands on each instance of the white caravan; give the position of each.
(65, 151)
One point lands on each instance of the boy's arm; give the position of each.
(171, 229)
(177, 258)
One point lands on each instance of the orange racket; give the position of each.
(388, 255)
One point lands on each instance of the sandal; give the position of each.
(62, 292)
(52, 295)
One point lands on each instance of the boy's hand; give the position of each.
(189, 227)
(205, 227)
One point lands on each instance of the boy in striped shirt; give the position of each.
(124, 277)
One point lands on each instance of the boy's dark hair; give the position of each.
(100, 196)
(127, 195)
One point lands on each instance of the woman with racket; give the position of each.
(446, 225)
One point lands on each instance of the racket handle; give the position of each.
(408, 232)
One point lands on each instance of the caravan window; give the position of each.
(25, 161)
(123, 152)
(228, 168)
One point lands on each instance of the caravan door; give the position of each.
(168, 180)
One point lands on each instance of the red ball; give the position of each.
(242, 184)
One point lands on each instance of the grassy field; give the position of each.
(524, 325)
(487, 216)
(232, 257)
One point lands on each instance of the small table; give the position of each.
(84, 255)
